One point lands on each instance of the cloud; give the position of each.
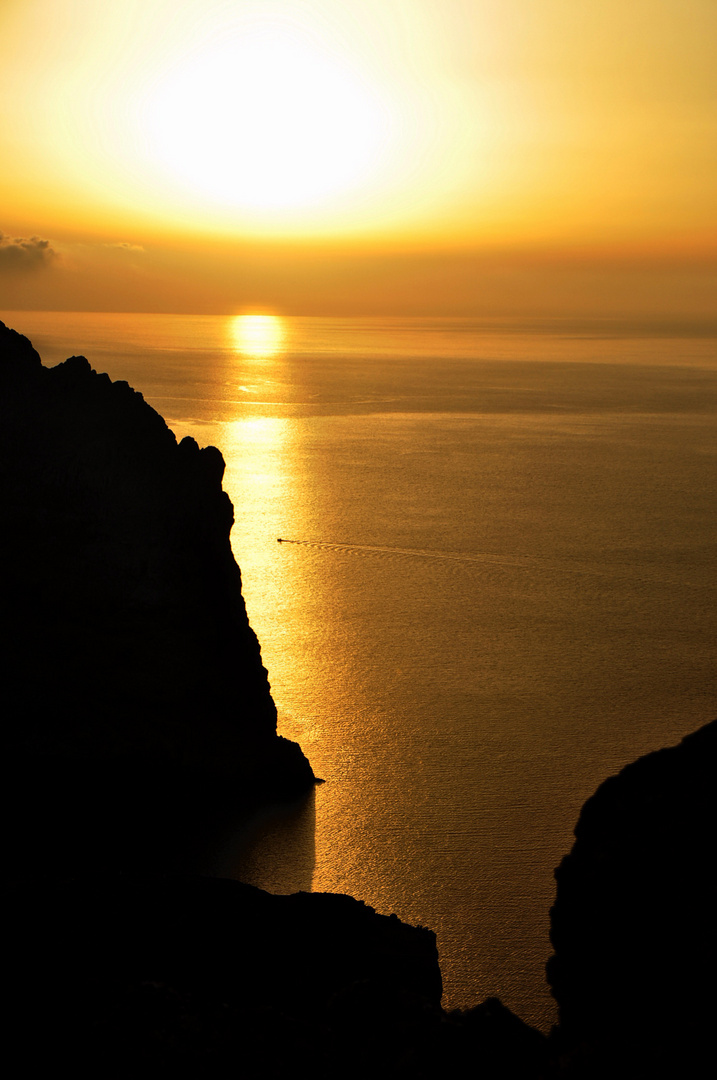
(125, 246)
(21, 253)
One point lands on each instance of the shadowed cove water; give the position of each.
(496, 586)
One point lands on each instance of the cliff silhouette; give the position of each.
(132, 679)
(138, 716)
(634, 924)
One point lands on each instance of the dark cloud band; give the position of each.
(21, 253)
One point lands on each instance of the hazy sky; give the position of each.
(438, 156)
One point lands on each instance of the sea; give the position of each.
(495, 586)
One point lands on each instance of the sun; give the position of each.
(268, 119)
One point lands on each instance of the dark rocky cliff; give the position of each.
(128, 659)
(190, 977)
(634, 925)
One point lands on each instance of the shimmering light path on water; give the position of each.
(501, 589)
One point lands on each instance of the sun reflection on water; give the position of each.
(257, 336)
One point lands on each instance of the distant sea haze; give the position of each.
(496, 586)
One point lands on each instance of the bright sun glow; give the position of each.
(257, 336)
(267, 120)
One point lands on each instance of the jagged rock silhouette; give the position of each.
(136, 703)
(634, 923)
(132, 678)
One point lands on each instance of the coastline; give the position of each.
(89, 740)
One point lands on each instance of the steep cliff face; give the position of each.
(124, 634)
(634, 924)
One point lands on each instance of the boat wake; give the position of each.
(489, 558)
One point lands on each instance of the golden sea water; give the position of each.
(496, 586)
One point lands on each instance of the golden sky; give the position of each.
(457, 156)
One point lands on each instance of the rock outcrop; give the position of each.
(634, 926)
(206, 978)
(129, 662)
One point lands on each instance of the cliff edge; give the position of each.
(126, 647)
(634, 924)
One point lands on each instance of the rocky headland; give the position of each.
(132, 680)
(634, 924)
(138, 714)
